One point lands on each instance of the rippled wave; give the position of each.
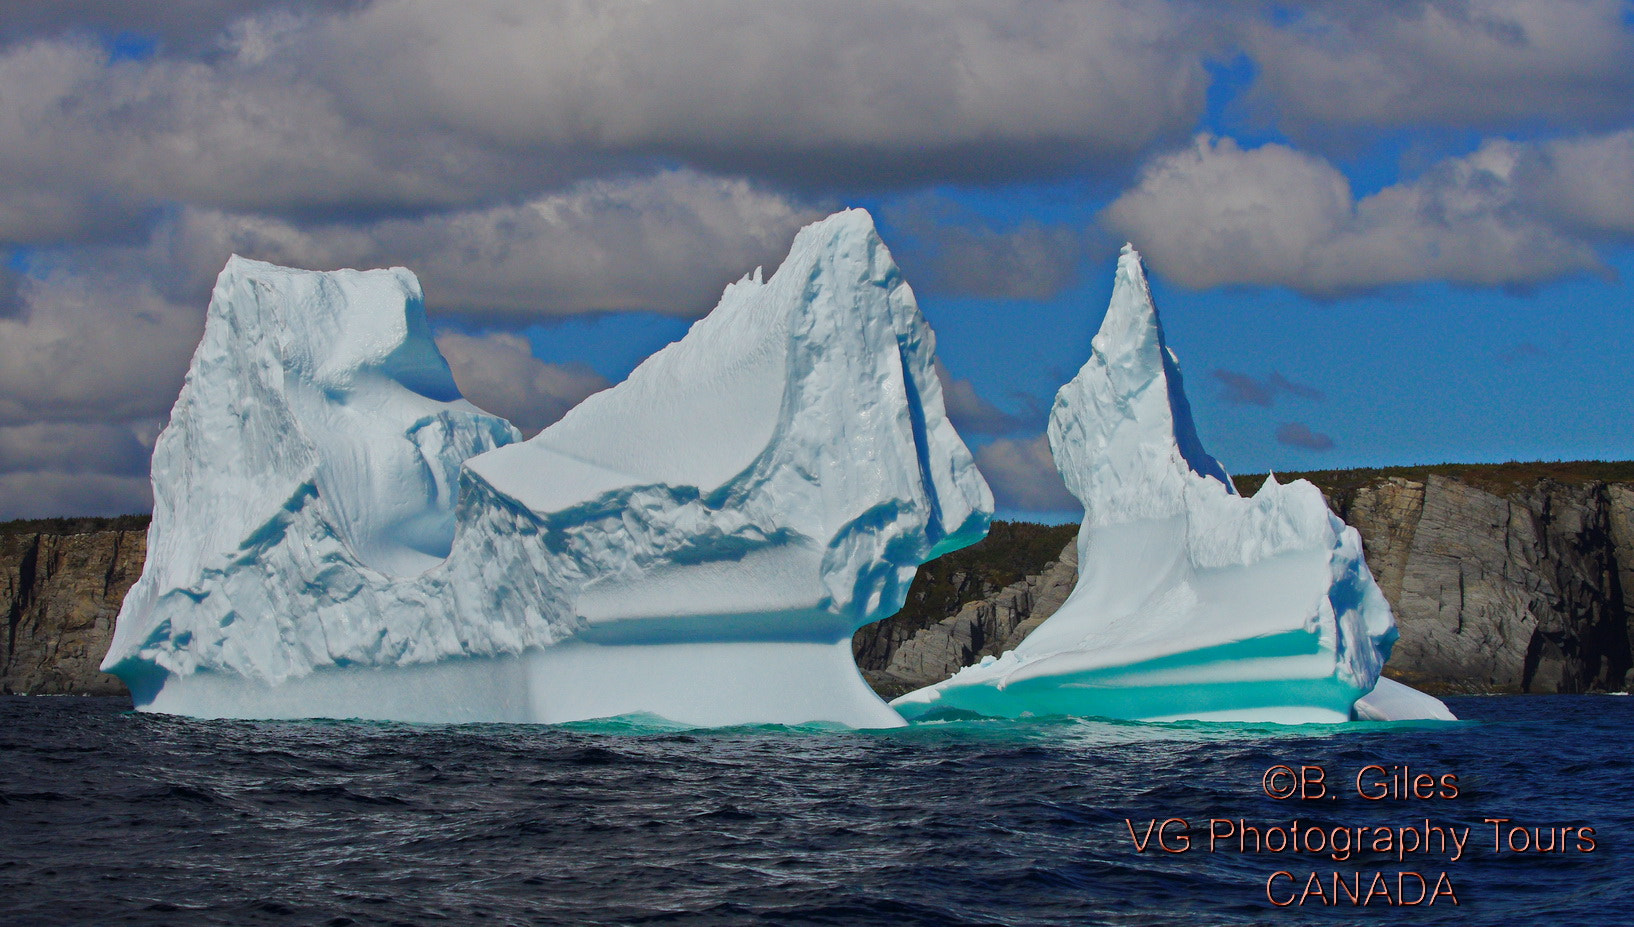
(113, 817)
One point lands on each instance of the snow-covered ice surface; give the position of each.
(304, 487)
(337, 534)
(1192, 602)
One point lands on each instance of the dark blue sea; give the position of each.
(113, 817)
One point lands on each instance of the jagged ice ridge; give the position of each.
(337, 533)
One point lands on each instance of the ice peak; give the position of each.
(854, 221)
(837, 231)
(822, 248)
(1130, 329)
(1132, 272)
(1122, 431)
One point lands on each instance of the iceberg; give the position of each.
(305, 483)
(337, 533)
(1192, 601)
(1394, 701)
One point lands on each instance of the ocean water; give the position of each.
(113, 817)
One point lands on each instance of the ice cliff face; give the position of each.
(337, 533)
(307, 475)
(789, 456)
(1191, 601)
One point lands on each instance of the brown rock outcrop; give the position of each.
(985, 626)
(60, 595)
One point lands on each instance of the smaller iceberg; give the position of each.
(1192, 601)
(1392, 701)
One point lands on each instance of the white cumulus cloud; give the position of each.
(1327, 66)
(1507, 214)
(666, 243)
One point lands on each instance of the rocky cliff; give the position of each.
(990, 624)
(1505, 578)
(60, 594)
(1525, 591)
(969, 603)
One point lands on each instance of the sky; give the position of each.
(1378, 234)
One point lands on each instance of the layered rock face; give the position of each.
(985, 625)
(60, 594)
(1524, 592)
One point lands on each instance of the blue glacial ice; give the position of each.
(337, 533)
(1192, 601)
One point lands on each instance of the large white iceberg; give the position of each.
(337, 534)
(1192, 602)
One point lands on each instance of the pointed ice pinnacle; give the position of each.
(698, 542)
(1192, 601)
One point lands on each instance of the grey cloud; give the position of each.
(1524, 351)
(970, 413)
(53, 494)
(1479, 63)
(318, 115)
(89, 364)
(10, 299)
(1296, 434)
(666, 243)
(1023, 476)
(72, 449)
(94, 348)
(947, 248)
(1584, 183)
(498, 372)
(1216, 214)
(89, 149)
(1031, 261)
(1243, 389)
(309, 111)
(183, 25)
(1302, 390)
(840, 89)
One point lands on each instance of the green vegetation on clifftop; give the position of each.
(85, 524)
(1501, 479)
